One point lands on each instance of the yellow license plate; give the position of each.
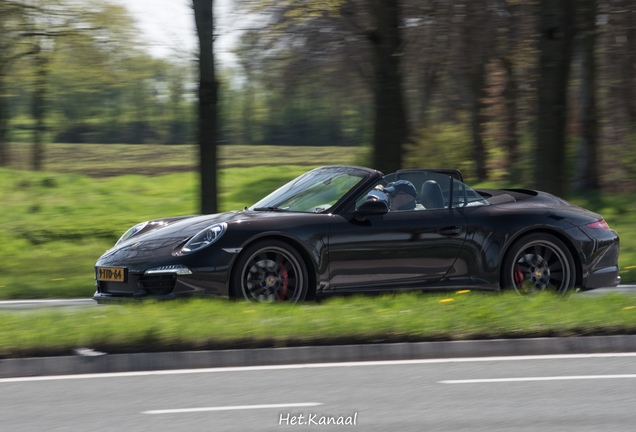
(114, 274)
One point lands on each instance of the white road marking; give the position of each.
(553, 378)
(310, 366)
(19, 302)
(232, 408)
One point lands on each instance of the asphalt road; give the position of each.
(84, 302)
(551, 393)
(625, 289)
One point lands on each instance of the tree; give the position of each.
(515, 29)
(346, 35)
(12, 47)
(35, 28)
(475, 32)
(203, 16)
(557, 29)
(41, 60)
(588, 178)
(389, 126)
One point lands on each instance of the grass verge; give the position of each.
(54, 226)
(220, 324)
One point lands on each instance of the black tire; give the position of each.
(537, 263)
(270, 271)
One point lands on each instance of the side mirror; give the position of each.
(370, 208)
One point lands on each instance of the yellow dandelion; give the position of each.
(630, 267)
(248, 311)
(629, 307)
(446, 300)
(462, 292)
(60, 279)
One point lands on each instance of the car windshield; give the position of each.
(313, 192)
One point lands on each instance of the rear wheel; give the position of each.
(270, 271)
(538, 263)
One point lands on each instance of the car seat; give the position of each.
(431, 195)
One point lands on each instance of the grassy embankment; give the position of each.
(219, 324)
(55, 224)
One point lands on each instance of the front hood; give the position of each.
(161, 242)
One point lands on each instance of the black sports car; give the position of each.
(345, 229)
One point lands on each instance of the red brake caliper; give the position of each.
(518, 276)
(283, 289)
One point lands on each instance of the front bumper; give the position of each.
(163, 286)
(166, 277)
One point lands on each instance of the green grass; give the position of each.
(220, 324)
(54, 226)
(108, 160)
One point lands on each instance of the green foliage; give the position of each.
(300, 113)
(628, 153)
(54, 226)
(214, 324)
(101, 87)
(442, 145)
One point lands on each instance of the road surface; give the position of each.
(575, 393)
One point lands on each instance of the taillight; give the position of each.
(599, 224)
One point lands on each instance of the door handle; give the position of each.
(450, 230)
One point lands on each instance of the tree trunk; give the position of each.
(511, 121)
(629, 84)
(557, 29)
(429, 81)
(390, 128)
(39, 110)
(588, 151)
(4, 153)
(476, 89)
(203, 16)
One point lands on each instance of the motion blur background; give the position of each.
(512, 92)
(298, 73)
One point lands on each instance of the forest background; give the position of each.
(512, 92)
(471, 75)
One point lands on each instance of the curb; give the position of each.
(110, 363)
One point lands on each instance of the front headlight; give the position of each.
(204, 238)
(131, 232)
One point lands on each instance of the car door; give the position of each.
(402, 249)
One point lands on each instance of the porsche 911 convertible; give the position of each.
(345, 229)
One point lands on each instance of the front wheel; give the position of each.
(270, 271)
(536, 263)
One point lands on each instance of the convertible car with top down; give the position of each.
(346, 229)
